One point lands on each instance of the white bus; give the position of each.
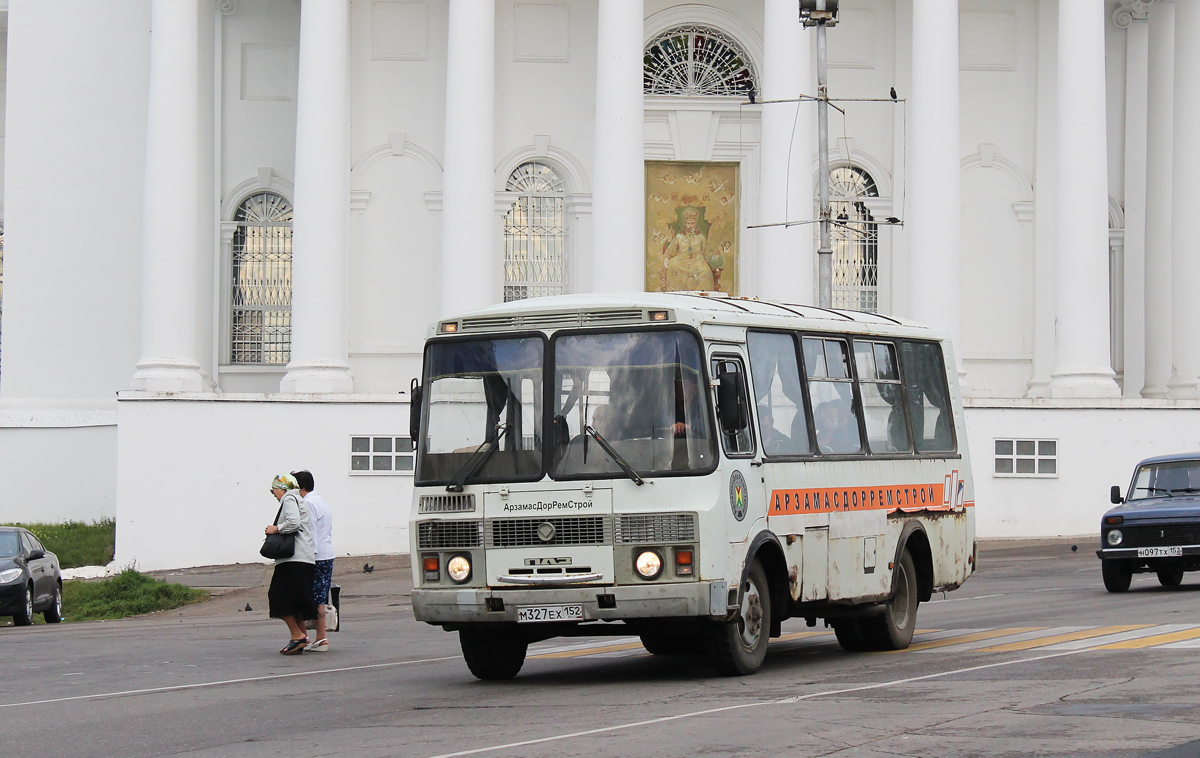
(690, 468)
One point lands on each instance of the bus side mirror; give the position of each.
(414, 412)
(730, 409)
(1115, 495)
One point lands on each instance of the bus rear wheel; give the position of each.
(893, 629)
(738, 647)
(492, 654)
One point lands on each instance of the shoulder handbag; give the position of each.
(278, 545)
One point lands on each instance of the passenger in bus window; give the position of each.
(836, 429)
(774, 442)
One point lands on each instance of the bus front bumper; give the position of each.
(691, 599)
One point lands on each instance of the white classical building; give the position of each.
(228, 223)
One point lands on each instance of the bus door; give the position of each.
(743, 481)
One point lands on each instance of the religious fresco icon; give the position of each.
(692, 226)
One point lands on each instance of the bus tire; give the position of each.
(492, 654)
(1117, 574)
(738, 647)
(893, 629)
(850, 635)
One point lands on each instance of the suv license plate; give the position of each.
(531, 613)
(1160, 552)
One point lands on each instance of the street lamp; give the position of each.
(822, 14)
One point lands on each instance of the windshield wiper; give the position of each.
(480, 456)
(590, 430)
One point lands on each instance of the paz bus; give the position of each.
(689, 468)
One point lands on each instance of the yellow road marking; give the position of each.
(1158, 639)
(591, 650)
(1057, 638)
(800, 635)
(969, 638)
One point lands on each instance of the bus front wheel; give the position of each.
(492, 654)
(738, 647)
(893, 629)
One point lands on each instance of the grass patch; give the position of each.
(76, 543)
(127, 594)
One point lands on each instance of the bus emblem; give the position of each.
(737, 495)
(546, 531)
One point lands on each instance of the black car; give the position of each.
(30, 580)
(1156, 527)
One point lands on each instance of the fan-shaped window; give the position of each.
(534, 234)
(261, 303)
(697, 61)
(855, 239)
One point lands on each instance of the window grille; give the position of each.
(697, 61)
(534, 234)
(1037, 458)
(381, 455)
(261, 302)
(855, 240)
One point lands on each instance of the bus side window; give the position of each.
(831, 392)
(736, 441)
(778, 396)
(928, 397)
(882, 398)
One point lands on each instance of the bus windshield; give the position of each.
(642, 391)
(485, 397)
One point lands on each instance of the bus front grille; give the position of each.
(571, 530)
(656, 527)
(446, 504)
(449, 535)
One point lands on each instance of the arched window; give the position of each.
(535, 261)
(855, 239)
(261, 301)
(697, 61)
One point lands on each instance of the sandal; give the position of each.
(295, 647)
(320, 646)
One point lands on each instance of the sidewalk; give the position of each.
(233, 587)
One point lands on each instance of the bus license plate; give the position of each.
(1160, 552)
(532, 613)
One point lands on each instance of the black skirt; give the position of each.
(291, 591)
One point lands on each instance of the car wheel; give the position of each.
(1117, 574)
(53, 614)
(492, 654)
(738, 647)
(1170, 578)
(24, 617)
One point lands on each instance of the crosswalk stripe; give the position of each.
(1094, 642)
(1068, 637)
(1158, 639)
(959, 639)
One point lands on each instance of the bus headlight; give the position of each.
(1114, 537)
(649, 564)
(458, 568)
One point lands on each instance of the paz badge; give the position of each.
(737, 495)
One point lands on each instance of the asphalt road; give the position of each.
(1030, 657)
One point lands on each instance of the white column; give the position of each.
(1133, 349)
(469, 244)
(320, 231)
(1159, 170)
(170, 223)
(1185, 263)
(1045, 193)
(1081, 358)
(618, 191)
(785, 254)
(933, 218)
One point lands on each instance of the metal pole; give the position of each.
(825, 252)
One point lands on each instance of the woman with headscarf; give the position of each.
(290, 596)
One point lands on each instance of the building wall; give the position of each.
(194, 476)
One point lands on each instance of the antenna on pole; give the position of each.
(822, 14)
